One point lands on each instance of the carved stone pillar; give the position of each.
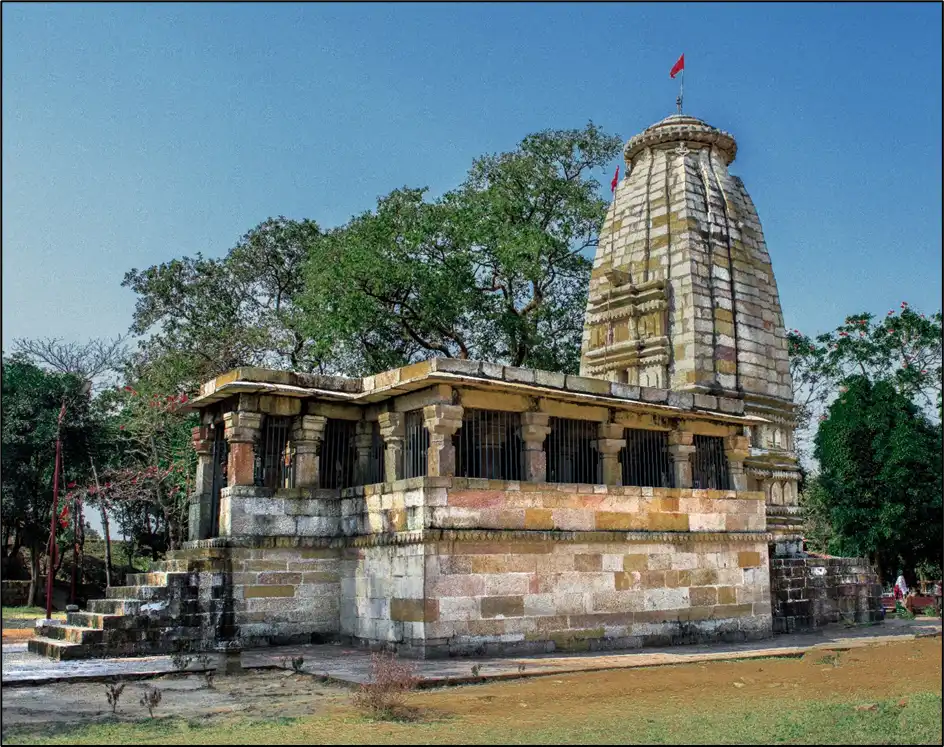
(681, 448)
(201, 497)
(737, 449)
(307, 432)
(534, 430)
(608, 444)
(363, 440)
(442, 421)
(393, 432)
(242, 432)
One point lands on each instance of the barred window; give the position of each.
(375, 459)
(570, 456)
(645, 459)
(273, 466)
(416, 443)
(710, 464)
(338, 456)
(489, 445)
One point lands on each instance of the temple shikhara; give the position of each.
(457, 507)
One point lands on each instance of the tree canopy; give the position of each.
(495, 268)
(879, 486)
(903, 348)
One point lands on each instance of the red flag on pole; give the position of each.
(680, 65)
(615, 181)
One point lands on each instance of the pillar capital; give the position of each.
(202, 438)
(681, 438)
(391, 425)
(242, 426)
(307, 433)
(534, 431)
(308, 428)
(737, 448)
(442, 420)
(681, 448)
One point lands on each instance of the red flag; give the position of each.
(680, 65)
(615, 181)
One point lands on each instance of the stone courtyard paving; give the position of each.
(349, 665)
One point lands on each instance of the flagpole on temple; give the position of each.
(679, 68)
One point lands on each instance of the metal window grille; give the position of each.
(645, 459)
(489, 445)
(375, 460)
(220, 457)
(273, 466)
(416, 443)
(338, 454)
(710, 464)
(570, 456)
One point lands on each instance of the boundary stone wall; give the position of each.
(808, 593)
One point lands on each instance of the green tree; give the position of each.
(204, 316)
(903, 348)
(493, 270)
(879, 487)
(31, 402)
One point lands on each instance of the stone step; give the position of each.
(181, 565)
(141, 644)
(139, 593)
(158, 578)
(97, 621)
(114, 606)
(58, 650)
(72, 634)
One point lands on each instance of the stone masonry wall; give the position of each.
(808, 593)
(499, 567)
(500, 595)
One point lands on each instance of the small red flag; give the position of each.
(680, 65)
(615, 181)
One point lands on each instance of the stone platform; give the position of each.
(350, 666)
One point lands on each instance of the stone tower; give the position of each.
(683, 296)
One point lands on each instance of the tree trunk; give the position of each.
(34, 573)
(104, 510)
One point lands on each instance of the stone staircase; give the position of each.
(148, 617)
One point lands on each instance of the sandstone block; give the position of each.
(507, 606)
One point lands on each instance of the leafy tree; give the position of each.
(903, 348)
(150, 472)
(96, 361)
(31, 403)
(206, 316)
(880, 481)
(492, 270)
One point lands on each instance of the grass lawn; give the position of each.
(29, 613)
(779, 722)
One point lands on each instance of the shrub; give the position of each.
(204, 661)
(151, 699)
(113, 692)
(181, 657)
(390, 679)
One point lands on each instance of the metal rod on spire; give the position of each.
(678, 101)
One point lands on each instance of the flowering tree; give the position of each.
(153, 462)
(903, 348)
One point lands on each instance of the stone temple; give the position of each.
(456, 507)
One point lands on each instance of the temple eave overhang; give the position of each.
(469, 374)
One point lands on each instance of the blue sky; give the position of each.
(133, 134)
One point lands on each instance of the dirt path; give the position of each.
(864, 674)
